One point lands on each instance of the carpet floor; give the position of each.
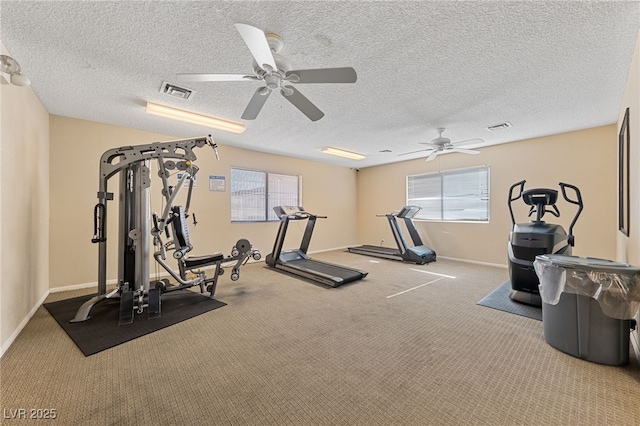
(408, 345)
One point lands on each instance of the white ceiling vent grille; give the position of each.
(500, 126)
(176, 91)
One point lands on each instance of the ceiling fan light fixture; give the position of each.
(20, 80)
(10, 66)
(272, 81)
(195, 118)
(286, 91)
(342, 153)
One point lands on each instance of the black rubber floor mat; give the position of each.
(499, 299)
(101, 330)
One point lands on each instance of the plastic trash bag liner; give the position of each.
(616, 286)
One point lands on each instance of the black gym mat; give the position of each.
(101, 331)
(499, 299)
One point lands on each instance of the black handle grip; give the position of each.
(577, 202)
(98, 223)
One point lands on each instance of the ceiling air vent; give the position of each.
(499, 126)
(176, 91)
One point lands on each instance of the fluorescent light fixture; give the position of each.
(195, 118)
(342, 153)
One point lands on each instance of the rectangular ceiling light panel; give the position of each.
(342, 153)
(195, 118)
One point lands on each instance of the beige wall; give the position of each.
(76, 147)
(629, 247)
(44, 239)
(585, 158)
(24, 214)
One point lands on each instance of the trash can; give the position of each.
(588, 306)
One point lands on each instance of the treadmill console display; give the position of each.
(287, 210)
(409, 212)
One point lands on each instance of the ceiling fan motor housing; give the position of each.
(273, 78)
(282, 63)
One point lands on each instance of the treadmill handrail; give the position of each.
(302, 215)
(299, 216)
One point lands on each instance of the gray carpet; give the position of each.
(403, 347)
(499, 299)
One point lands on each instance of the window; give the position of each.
(254, 194)
(458, 195)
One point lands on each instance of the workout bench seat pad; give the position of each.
(197, 261)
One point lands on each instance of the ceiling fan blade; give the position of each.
(214, 77)
(256, 103)
(413, 152)
(432, 156)
(257, 43)
(303, 104)
(322, 75)
(465, 151)
(468, 142)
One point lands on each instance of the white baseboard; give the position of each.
(115, 281)
(329, 249)
(78, 286)
(455, 259)
(22, 325)
(475, 262)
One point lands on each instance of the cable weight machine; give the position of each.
(134, 287)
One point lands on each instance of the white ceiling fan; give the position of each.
(442, 145)
(275, 72)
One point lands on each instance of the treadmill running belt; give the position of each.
(327, 273)
(377, 249)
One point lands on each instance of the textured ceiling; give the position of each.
(544, 66)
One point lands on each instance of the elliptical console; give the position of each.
(528, 240)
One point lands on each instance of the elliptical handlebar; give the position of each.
(512, 198)
(546, 197)
(577, 202)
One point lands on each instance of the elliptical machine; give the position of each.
(528, 240)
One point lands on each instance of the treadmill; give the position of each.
(419, 253)
(297, 262)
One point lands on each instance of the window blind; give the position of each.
(458, 195)
(254, 194)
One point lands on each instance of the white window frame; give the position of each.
(482, 198)
(266, 214)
